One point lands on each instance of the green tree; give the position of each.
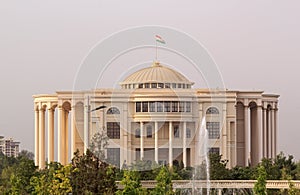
(132, 184)
(98, 145)
(218, 168)
(164, 182)
(89, 175)
(260, 185)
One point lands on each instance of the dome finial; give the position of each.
(156, 63)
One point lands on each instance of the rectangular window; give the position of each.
(188, 133)
(153, 85)
(149, 132)
(174, 106)
(160, 106)
(176, 131)
(167, 106)
(152, 106)
(214, 151)
(137, 133)
(167, 85)
(179, 85)
(113, 156)
(181, 106)
(213, 129)
(147, 85)
(113, 130)
(188, 106)
(141, 85)
(138, 107)
(145, 107)
(160, 85)
(173, 85)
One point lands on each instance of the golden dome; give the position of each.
(157, 74)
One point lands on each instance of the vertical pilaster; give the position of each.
(273, 133)
(36, 137)
(247, 134)
(224, 133)
(276, 130)
(170, 143)
(73, 132)
(59, 134)
(142, 140)
(50, 135)
(184, 158)
(259, 134)
(41, 138)
(66, 136)
(265, 154)
(156, 141)
(86, 123)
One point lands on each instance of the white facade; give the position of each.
(9, 147)
(156, 115)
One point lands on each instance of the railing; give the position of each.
(221, 184)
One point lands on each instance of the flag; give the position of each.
(159, 39)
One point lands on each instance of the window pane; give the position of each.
(167, 85)
(113, 130)
(147, 85)
(181, 106)
(173, 85)
(145, 106)
(188, 133)
(149, 132)
(138, 107)
(160, 106)
(167, 106)
(174, 106)
(152, 106)
(188, 106)
(113, 156)
(176, 131)
(153, 85)
(160, 85)
(137, 133)
(213, 129)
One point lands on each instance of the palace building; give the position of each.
(156, 115)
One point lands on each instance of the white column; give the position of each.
(86, 124)
(184, 158)
(170, 144)
(142, 140)
(50, 135)
(73, 133)
(59, 134)
(273, 133)
(42, 138)
(276, 130)
(66, 136)
(265, 154)
(36, 137)
(259, 133)
(247, 134)
(224, 133)
(156, 141)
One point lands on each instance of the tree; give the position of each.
(132, 184)
(89, 175)
(218, 168)
(164, 182)
(98, 145)
(260, 185)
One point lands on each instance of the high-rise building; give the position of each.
(9, 147)
(156, 115)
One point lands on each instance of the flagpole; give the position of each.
(156, 50)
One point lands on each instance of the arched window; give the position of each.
(212, 110)
(113, 110)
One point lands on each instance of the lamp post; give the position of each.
(87, 111)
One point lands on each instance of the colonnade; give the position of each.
(62, 135)
(260, 126)
(171, 137)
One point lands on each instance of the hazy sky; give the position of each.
(255, 44)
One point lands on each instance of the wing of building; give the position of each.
(155, 115)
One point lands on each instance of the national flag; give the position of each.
(159, 39)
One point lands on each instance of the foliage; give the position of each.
(89, 175)
(242, 173)
(218, 168)
(132, 184)
(164, 182)
(260, 185)
(99, 143)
